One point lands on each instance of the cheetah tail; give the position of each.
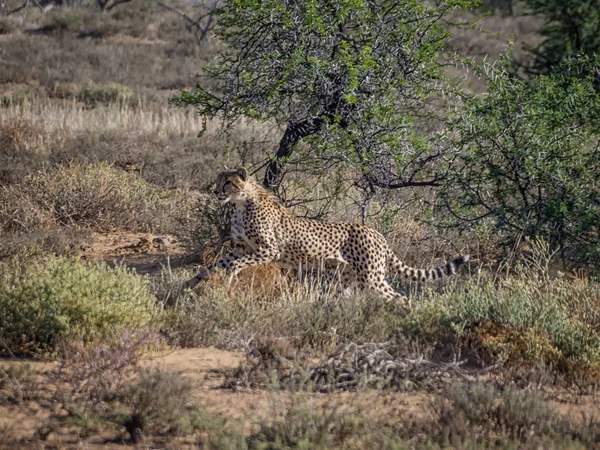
(398, 267)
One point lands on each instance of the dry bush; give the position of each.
(66, 241)
(7, 437)
(263, 303)
(21, 135)
(209, 228)
(159, 403)
(350, 367)
(464, 416)
(153, 402)
(101, 382)
(490, 418)
(89, 371)
(25, 146)
(96, 196)
(7, 26)
(104, 94)
(18, 383)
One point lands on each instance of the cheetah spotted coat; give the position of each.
(263, 231)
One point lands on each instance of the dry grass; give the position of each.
(127, 46)
(523, 318)
(47, 117)
(153, 139)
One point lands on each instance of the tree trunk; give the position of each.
(294, 133)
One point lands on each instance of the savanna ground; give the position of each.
(104, 212)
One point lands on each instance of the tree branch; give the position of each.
(203, 30)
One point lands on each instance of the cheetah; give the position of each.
(264, 231)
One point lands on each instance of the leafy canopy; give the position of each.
(351, 75)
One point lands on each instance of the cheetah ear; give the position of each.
(243, 173)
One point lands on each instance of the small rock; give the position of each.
(161, 241)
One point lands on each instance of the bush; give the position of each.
(7, 26)
(209, 227)
(307, 314)
(528, 159)
(90, 371)
(521, 319)
(97, 196)
(66, 241)
(45, 301)
(159, 404)
(570, 29)
(466, 415)
(96, 94)
(18, 383)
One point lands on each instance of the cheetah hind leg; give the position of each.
(341, 276)
(378, 284)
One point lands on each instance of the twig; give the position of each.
(203, 30)
(16, 10)
(36, 3)
(12, 355)
(116, 3)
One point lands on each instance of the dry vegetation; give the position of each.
(89, 147)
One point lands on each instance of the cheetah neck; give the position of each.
(255, 194)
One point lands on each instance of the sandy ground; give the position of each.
(202, 366)
(245, 409)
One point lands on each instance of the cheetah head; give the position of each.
(231, 184)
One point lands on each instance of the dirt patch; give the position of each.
(146, 253)
(204, 366)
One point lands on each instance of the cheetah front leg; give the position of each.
(238, 251)
(235, 262)
(263, 255)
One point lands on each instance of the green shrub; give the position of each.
(528, 158)
(96, 94)
(569, 29)
(97, 196)
(524, 317)
(44, 301)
